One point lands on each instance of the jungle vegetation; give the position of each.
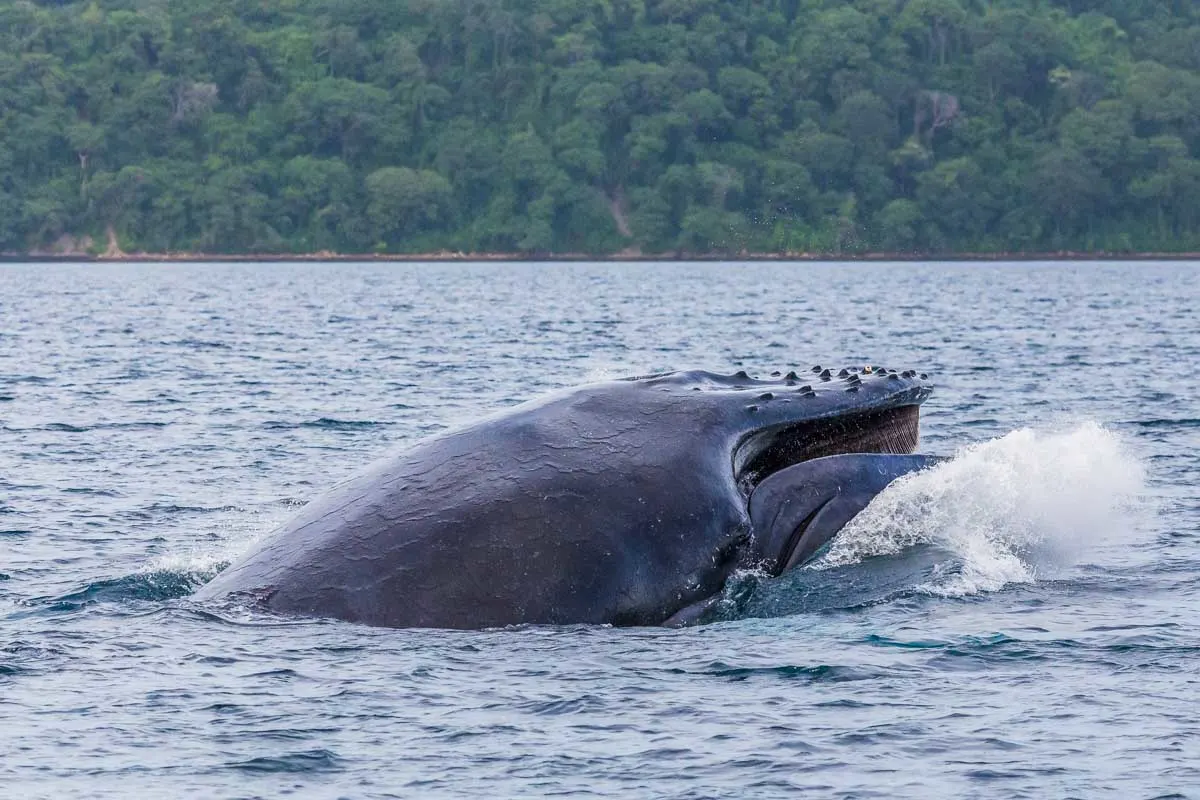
(601, 126)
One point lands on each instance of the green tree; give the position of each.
(897, 226)
(403, 201)
(559, 126)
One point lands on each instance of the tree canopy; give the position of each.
(599, 126)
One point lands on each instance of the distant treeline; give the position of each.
(597, 126)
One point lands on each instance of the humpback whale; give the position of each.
(625, 502)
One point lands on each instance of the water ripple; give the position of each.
(156, 422)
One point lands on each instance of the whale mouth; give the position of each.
(892, 430)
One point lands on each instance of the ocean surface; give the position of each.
(1021, 622)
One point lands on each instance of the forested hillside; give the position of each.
(597, 126)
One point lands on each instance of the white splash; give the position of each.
(1006, 510)
(597, 372)
(231, 537)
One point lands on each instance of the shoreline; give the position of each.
(455, 257)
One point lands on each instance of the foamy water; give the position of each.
(1007, 510)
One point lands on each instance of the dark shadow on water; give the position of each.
(807, 591)
(150, 587)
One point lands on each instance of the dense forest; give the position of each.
(600, 126)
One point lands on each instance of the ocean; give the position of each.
(1021, 622)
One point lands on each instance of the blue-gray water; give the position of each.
(1023, 622)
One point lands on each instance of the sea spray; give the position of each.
(1004, 510)
(234, 534)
